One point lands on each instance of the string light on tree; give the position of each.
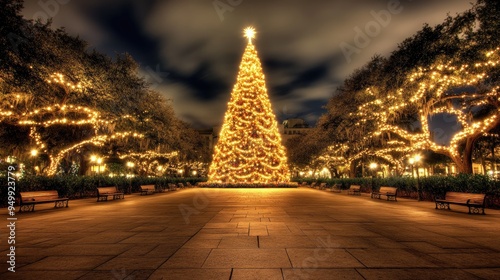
(249, 147)
(95, 141)
(451, 88)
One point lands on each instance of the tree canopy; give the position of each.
(389, 107)
(67, 101)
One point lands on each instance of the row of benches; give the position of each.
(28, 200)
(151, 189)
(474, 201)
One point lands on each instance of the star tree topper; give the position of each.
(249, 33)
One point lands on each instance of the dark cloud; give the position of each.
(192, 50)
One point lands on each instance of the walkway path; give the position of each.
(253, 234)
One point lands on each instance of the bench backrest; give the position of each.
(148, 187)
(322, 185)
(39, 195)
(105, 190)
(385, 189)
(354, 187)
(463, 197)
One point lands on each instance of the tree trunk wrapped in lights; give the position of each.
(249, 147)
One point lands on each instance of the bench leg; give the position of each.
(25, 208)
(475, 210)
(59, 204)
(442, 205)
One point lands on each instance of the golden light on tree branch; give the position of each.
(58, 78)
(95, 141)
(443, 88)
(149, 155)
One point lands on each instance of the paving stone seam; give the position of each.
(282, 273)
(289, 259)
(180, 247)
(349, 252)
(231, 274)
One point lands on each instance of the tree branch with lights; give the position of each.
(466, 93)
(449, 71)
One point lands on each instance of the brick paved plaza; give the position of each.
(254, 234)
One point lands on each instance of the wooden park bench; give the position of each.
(104, 192)
(147, 189)
(475, 201)
(335, 188)
(354, 190)
(172, 187)
(181, 185)
(28, 200)
(322, 186)
(389, 192)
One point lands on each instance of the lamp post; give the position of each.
(96, 167)
(130, 165)
(34, 154)
(373, 166)
(411, 161)
(414, 162)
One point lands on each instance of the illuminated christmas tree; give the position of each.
(249, 149)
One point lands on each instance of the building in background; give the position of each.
(293, 127)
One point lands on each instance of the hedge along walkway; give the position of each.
(253, 234)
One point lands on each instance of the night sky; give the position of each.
(190, 50)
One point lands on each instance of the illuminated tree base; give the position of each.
(248, 185)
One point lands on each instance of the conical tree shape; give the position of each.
(249, 149)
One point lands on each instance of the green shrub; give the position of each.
(86, 186)
(429, 186)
